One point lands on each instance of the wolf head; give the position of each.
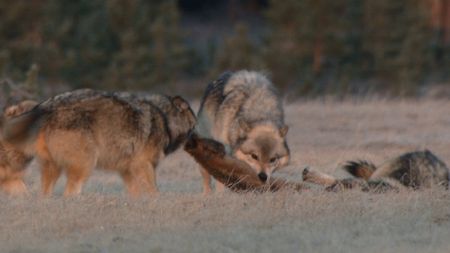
(180, 120)
(263, 146)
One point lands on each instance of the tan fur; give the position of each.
(78, 131)
(317, 177)
(233, 173)
(333, 184)
(243, 111)
(418, 169)
(413, 169)
(13, 161)
(20, 108)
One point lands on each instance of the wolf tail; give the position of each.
(23, 128)
(360, 169)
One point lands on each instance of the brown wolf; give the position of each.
(233, 173)
(13, 161)
(81, 130)
(243, 111)
(419, 169)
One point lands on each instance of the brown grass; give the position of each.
(180, 219)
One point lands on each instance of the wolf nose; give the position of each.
(262, 176)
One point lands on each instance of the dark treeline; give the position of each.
(309, 47)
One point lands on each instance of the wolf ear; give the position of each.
(283, 130)
(180, 103)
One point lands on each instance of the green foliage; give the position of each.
(310, 47)
(12, 92)
(19, 36)
(238, 52)
(78, 41)
(150, 41)
(311, 39)
(322, 46)
(398, 39)
(111, 44)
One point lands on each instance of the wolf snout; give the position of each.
(262, 176)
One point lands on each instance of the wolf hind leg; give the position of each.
(77, 172)
(75, 152)
(50, 173)
(317, 177)
(76, 177)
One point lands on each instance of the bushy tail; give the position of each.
(23, 128)
(360, 169)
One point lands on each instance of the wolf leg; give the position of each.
(220, 188)
(318, 177)
(206, 181)
(144, 177)
(149, 184)
(14, 187)
(50, 173)
(130, 183)
(226, 116)
(76, 177)
(382, 172)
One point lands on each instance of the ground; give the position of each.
(180, 219)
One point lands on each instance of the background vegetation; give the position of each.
(309, 47)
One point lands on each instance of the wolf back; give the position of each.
(83, 129)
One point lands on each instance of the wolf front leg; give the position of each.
(220, 188)
(206, 177)
(132, 187)
(149, 180)
(140, 177)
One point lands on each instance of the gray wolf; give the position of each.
(418, 169)
(235, 174)
(243, 111)
(78, 131)
(13, 162)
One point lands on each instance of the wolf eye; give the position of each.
(273, 159)
(254, 157)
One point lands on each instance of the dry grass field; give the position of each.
(322, 135)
